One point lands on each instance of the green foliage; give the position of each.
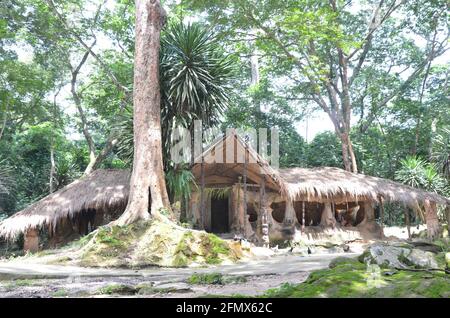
(207, 278)
(420, 174)
(214, 279)
(180, 183)
(324, 150)
(60, 293)
(6, 179)
(119, 289)
(195, 77)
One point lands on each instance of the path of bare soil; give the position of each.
(251, 278)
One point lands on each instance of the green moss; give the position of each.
(207, 278)
(60, 293)
(184, 252)
(19, 283)
(343, 260)
(150, 289)
(117, 289)
(350, 279)
(110, 245)
(213, 247)
(180, 260)
(366, 257)
(214, 279)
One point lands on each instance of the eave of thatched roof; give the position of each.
(101, 190)
(334, 184)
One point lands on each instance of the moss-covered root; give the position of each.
(150, 243)
(350, 278)
(201, 247)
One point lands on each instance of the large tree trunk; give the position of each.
(348, 154)
(148, 173)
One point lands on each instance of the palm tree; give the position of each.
(195, 77)
(420, 174)
(411, 172)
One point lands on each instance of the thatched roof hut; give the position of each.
(101, 190)
(106, 190)
(329, 184)
(223, 162)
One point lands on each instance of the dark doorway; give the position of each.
(219, 215)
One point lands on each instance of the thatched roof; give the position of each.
(334, 184)
(101, 190)
(108, 189)
(224, 157)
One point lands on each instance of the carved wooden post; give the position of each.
(289, 215)
(31, 241)
(381, 199)
(194, 214)
(369, 214)
(264, 218)
(433, 227)
(327, 219)
(408, 225)
(234, 210)
(202, 189)
(244, 175)
(303, 216)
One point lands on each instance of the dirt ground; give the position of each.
(247, 278)
(96, 287)
(26, 278)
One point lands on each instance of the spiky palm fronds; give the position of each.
(411, 172)
(218, 193)
(180, 182)
(420, 174)
(195, 74)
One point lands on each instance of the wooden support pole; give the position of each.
(303, 216)
(202, 191)
(433, 226)
(31, 241)
(264, 217)
(408, 223)
(244, 176)
(382, 215)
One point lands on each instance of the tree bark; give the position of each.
(148, 173)
(77, 101)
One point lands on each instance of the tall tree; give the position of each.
(148, 174)
(330, 51)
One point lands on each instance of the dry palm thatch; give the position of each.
(101, 190)
(230, 150)
(327, 184)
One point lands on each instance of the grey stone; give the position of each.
(399, 255)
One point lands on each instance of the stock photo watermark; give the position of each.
(189, 146)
